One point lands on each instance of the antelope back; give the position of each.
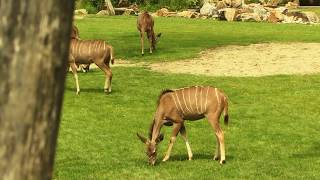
(196, 100)
(145, 22)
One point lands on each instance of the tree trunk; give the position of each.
(108, 6)
(34, 44)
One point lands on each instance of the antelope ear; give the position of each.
(158, 35)
(143, 139)
(159, 138)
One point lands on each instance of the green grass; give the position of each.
(185, 38)
(313, 9)
(273, 131)
(274, 120)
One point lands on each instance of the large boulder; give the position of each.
(103, 13)
(221, 5)
(292, 5)
(312, 17)
(272, 18)
(188, 14)
(249, 17)
(208, 10)
(229, 13)
(80, 12)
(233, 3)
(260, 11)
(162, 12)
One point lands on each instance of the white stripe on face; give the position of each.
(185, 103)
(179, 102)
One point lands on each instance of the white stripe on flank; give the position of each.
(174, 101)
(89, 48)
(201, 102)
(196, 100)
(190, 100)
(205, 106)
(179, 102)
(185, 103)
(215, 89)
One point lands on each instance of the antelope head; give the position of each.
(155, 40)
(151, 147)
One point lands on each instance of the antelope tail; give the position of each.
(225, 111)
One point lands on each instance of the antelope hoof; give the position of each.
(216, 158)
(165, 158)
(106, 91)
(190, 158)
(78, 92)
(222, 162)
(142, 54)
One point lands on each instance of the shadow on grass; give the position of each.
(89, 90)
(195, 157)
(311, 152)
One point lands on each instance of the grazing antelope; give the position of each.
(145, 24)
(191, 103)
(91, 51)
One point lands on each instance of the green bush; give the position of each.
(92, 6)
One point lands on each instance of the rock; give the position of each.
(270, 3)
(272, 18)
(233, 3)
(208, 10)
(292, 5)
(298, 16)
(230, 13)
(128, 12)
(162, 12)
(260, 11)
(312, 17)
(103, 13)
(80, 12)
(221, 5)
(188, 14)
(249, 17)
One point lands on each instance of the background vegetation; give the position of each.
(273, 131)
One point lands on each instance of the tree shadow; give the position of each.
(311, 152)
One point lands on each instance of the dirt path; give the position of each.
(252, 60)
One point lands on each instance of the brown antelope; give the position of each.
(91, 51)
(191, 103)
(145, 24)
(75, 35)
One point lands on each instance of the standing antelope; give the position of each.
(145, 24)
(92, 51)
(191, 103)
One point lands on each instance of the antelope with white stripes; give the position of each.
(191, 103)
(92, 51)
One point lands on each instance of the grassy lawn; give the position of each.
(274, 120)
(185, 38)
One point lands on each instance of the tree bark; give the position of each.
(34, 45)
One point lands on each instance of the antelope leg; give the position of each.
(175, 131)
(183, 133)
(214, 121)
(108, 74)
(142, 42)
(74, 71)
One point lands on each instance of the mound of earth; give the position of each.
(251, 60)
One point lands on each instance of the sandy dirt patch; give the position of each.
(251, 60)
